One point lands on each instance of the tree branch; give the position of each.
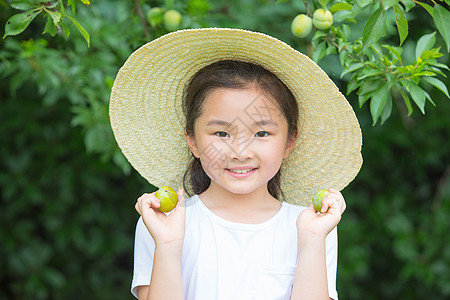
(142, 18)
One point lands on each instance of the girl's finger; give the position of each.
(327, 203)
(181, 199)
(335, 192)
(147, 201)
(180, 208)
(331, 201)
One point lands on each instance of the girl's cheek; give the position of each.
(213, 151)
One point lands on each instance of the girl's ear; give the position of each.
(192, 144)
(290, 145)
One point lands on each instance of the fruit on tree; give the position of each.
(301, 26)
(172, 20)
(168, 198)
(155, 16)
(322, 19)
(318, 198)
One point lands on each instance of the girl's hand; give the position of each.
(166, 230)
(312, 224)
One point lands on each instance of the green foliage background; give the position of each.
(67, 194)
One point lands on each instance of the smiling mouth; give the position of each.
(241, 171)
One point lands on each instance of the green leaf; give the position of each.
(353, 85)
(430, 54)
(73, 5)
(363, 99)
(438, 84)
(319, 35)
(19, 22)
(424, 73)
(402, 23)
(340, 6)
(62, 10)
(368, 72)
(331, 49)
(50, 27)
(80, 28)
(352, 68)
(282, 1)
(25, 4)
(427, 7)
(375, 28)
(426, 42)
(65, 29)
(441, 17)
(86, 2)
(408, 4)
(343, 15)
(363, 3)
(378, 102)
(387, 110)
(367, 89)
(418, 95)
(429, 98)
(319, 51)
(389, 3)
(439, 65)
(323, 3)
(407, 102)
(397, 51)
(55, 15)
(343, 58)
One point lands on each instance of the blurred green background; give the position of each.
(67, 194)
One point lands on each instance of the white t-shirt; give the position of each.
(224, 260)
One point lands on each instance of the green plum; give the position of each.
(318, 198)
(322, 19)
(172, 20)
(301, 26)
(155, 16)
(168, 198)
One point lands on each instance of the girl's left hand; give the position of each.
(312, 224)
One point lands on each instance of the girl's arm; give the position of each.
(310, 280)
(168, 233)
(166, 281)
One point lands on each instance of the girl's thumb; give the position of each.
(181, 199)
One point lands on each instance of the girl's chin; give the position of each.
(242, 189)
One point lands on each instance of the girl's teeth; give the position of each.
(241, 171)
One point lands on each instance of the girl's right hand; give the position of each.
(166, 230)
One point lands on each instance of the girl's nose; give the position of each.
(241, 149)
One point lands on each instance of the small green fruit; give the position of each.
(318, 198)
(168, 198)
(155, 16)
(172, 20)
(301, 26)
(322, 19)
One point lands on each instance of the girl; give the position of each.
(234, 238)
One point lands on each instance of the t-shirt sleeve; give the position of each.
(144, 249)
(331, 244)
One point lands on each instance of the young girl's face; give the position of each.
(241, 138)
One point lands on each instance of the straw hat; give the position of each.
(148, 122)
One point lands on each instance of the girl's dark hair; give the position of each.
(236, 75)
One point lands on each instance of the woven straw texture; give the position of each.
(148, 122)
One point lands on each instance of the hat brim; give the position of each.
(148, 122)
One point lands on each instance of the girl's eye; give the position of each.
(262, 134)
(221, 134)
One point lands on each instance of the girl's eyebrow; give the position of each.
(266, 122)
(269, 122)
(217, 122)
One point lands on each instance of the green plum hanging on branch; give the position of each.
(322, 19)
(301, 26)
